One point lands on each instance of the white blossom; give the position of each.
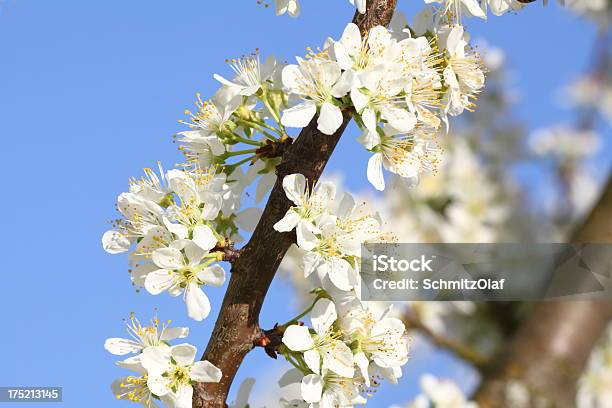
(251, 75)
(316, 82)
(144, 336)
(328, 390)
(379, 98)
(311, 206)
(408, 155)
(381, 340)
(463, 75)
(182, 270)
(171, 371)
(322, 349)
(457, 8)
(134, 388)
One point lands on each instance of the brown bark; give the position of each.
(237, 326)
(551, 348)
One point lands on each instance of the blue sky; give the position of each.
(90, 93)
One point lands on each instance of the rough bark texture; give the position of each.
(552, 347)
(237, 325)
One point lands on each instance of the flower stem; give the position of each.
(240, 152)
(272, 111)
(260, 127)
(238, 163)
(247, 141)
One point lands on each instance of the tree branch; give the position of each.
(237, 326)
(551, 348)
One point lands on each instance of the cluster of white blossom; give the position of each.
(399, 91)
(460, 203)
(178, 225)
(164, 372)
(339, 359)
(172, 224)
(439, 393)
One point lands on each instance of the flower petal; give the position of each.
(168, 258)
(311, 388)
(344, 84)
(183, 354)
(115, 242)
(359, 99)
(158, 385)
(362, 363)
(288, 222)
(158, 281)
(213, 275)
(205, 371)
(311, 262)
(295, 187)
(292, 76)
(204, 237)
(306, 238)
(298, 338)
(313, 360)
(361, 6)
(172, 333)
(330, 118)
(120, 347)
(369, 119)
(323, 315)
(299, 115)
(182, 398)
(330, 73)
(339, 359)
(156, 360)
(351, 39)
(474, 8)
(400, 119)
(341, 274)
(375, 172)
(179, 230)
(198, 305)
